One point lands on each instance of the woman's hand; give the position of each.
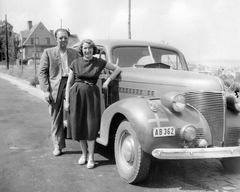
(105, 84)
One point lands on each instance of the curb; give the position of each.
(24, 85)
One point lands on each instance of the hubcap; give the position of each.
(128, 149)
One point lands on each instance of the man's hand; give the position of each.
(48, 97)
(66, 105)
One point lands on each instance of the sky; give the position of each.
(200, 29)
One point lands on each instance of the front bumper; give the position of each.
(196, 153)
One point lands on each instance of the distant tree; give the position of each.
(13, 41)
(226, 77)
(192, 67)
(237, 78)
(219, 71)
(235, 86)
(228, 82)
(215, 72)
(16, 43)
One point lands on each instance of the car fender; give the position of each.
(168, 118)
(143, 120)
(135, 110)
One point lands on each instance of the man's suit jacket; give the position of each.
(50, 69)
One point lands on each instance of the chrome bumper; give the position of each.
(196, 153)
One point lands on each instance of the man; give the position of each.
(53, 73)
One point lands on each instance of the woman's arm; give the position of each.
(116, 70)
(68, 86)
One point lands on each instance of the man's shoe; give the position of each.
(82, 160)
(90, 164)
(57, 152)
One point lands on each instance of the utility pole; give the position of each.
(6, 41)
(21, 51)
(129, 19)
(35, 65)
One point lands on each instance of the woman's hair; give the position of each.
(64, 30)
(91, 43)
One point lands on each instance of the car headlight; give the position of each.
(174, 101)
(233, 103)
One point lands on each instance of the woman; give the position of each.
(83, 98)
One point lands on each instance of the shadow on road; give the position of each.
(107, 152)
(163, 174)
(168, 174)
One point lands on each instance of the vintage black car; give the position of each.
(157, 107)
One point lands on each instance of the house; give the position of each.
(36, 38)
(72, 40)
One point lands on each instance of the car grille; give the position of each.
(212, 107)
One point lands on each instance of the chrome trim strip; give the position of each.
(196, 153)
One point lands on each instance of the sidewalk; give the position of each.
(24, 85)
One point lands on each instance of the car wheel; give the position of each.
(132, 162)
(231, 164)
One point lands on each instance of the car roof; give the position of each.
(127, 42)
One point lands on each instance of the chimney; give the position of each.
(51, 31)
(29, 25)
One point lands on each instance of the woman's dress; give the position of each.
(84, 97)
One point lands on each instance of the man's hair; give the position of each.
(61, 29)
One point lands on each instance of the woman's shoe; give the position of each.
(90, 164)
(82, 160)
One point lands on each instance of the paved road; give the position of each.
(27, 163)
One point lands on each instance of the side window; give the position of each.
(172, 60)
(47, 41)
(101, 55)
(167, 57)
(36, 41)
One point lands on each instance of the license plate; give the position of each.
(163, 131)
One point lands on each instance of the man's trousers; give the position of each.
(56, 112)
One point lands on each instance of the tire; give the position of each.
(132, 162)
(231, 164)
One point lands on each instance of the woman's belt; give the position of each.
(85, 81)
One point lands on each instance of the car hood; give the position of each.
(181, 81)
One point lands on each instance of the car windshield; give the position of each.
(141, 56)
